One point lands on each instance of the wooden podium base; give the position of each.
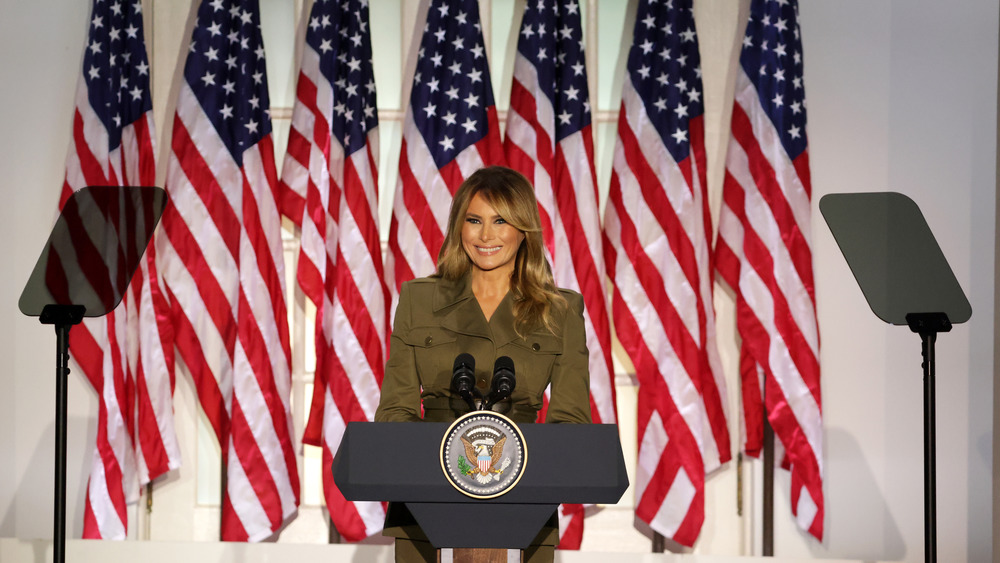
(480, 555)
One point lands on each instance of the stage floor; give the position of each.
(14, 550)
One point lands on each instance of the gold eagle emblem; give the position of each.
(473, 452)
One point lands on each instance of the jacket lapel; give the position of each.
(502, 322)
(461, 312)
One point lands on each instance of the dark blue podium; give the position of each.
(400, 462)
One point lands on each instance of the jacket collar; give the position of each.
(450, 292)
(466, 316)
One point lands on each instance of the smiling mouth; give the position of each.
(488, 249)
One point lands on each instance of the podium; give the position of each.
(400, 462)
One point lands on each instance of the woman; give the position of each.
(492, 296)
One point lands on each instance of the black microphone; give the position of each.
(503, 381)
(463, 378)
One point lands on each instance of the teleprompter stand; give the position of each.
(907, 281)
(84, 270)
(399, 462)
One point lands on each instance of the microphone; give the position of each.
(463, 378)
(503, 381)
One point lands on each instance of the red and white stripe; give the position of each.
(763, 253)
(657, 255)
(564, 180)
(340, 270)
(423, 199)
(221, 259)
(126, 355)
(151, 357)
(565, 187)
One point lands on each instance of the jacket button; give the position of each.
(536, 347)
(428, 341)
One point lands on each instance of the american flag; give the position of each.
(222, 261)
(330, 173)
(658, 233)
(450, 130)
(763, 250)
(549, 140)
(127, 355)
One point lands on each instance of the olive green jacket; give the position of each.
(436, 320)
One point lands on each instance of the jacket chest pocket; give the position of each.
(434, 352)
(533, 359)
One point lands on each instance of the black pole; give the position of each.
(659, 543)
(767, 531)
(62, 378)
(930, 455)
(928, 325)
(333, 536)
(63, 317)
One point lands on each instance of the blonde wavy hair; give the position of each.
(536, 299)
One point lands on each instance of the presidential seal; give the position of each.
(483, 454)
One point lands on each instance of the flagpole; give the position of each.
(767, 540)
(333, 535)
(148, 527)
(223, 481)
(659, 542)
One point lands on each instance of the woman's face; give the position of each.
(488, 239)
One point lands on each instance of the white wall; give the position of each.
(902, 96)
(41, 57)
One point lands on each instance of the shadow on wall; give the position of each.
(859, 526)
(980, 466)
(36, 489)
